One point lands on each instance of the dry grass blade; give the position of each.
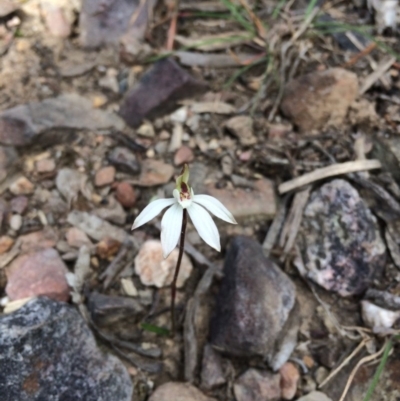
(361, 362)
(292, 224)
(376, 75)
(329, 171)
(344, 363)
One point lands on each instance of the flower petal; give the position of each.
(215, 207)
(171, 225)
(204, 225)
(151, 211)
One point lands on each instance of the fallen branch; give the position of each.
(329, 171)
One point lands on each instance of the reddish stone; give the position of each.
(289, 378)
(5, 244)
(38, 273)
(125, 194)
(105, 176)
(107, 247)
(183, 155)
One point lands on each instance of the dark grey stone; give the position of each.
(253, 306)
(158, 92)
(48, 353)
(339, 239)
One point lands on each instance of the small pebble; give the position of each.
(15, 222)
(19, 204)
(21, 186)
(45, 166)
(289, 379)
(5, 244)
(105, 176)
(125, 194)
(183, 155)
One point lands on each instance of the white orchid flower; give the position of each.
(196, 205)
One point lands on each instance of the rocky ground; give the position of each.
(287, 112)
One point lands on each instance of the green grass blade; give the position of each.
(309, 8)
(278, 8)
(238, 16)
(155, 329)
(237, 74)
(379, 370)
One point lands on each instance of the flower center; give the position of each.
(184, 196)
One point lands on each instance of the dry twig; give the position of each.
(329, 171)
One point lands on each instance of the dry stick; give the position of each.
(329, 171)
(178, 266)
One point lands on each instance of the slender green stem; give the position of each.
(178, 266)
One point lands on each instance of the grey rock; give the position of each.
(47, 352)
(255, 385)
(212, 374)
(104, 22)
(339, 240)
(158, 92)
(178, 392)
(253, 307)
(124, 160)
(8, 156)
(106, 309)
(22, 124)
(95, 227)
(69, 183)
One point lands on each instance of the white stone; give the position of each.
(376, 317)
(16, 222)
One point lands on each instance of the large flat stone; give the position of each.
(22, 124)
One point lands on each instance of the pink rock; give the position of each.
(183, 155)
(38, 273)
(76, 238)
(153, 269)
(125, 194)
(55, 19)
(21, 186)
(45, 166)
(289, 378)
(105, 176)
(38, 240)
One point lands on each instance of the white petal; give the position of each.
(215, 207)
(204, 225)
(171, 225)
(151, 211)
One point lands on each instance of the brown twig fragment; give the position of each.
(360, 55)
(329, 171)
